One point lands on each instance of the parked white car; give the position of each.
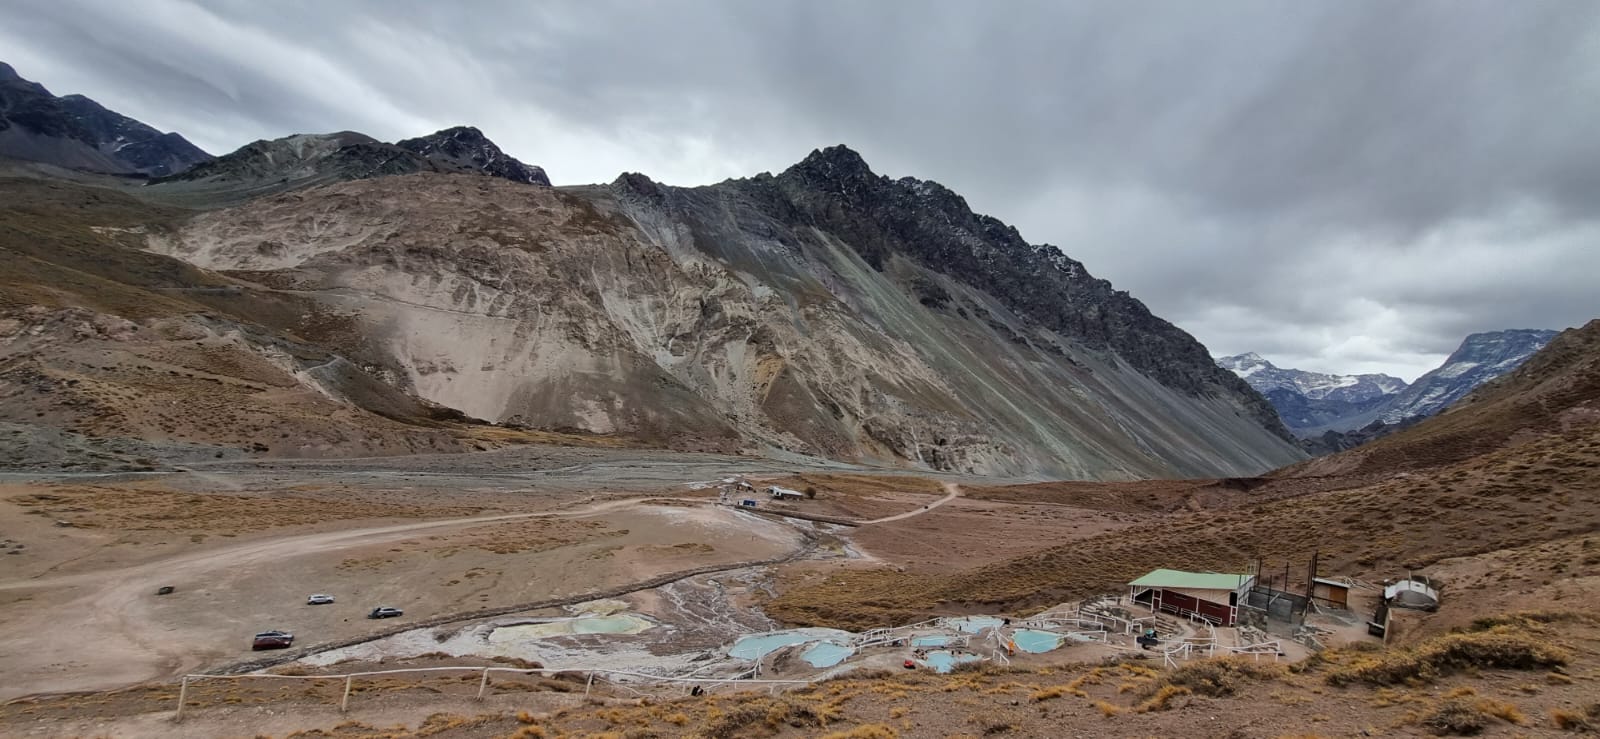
(319, 600)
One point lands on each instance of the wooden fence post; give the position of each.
(588, 685)
(183, 695)
(483, 685)
(344, 703)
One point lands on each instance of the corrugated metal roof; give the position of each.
(1196, 580)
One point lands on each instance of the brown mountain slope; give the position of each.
(1536, 481)
(723, 316)
(112, 357)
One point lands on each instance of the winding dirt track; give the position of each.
(952, 491)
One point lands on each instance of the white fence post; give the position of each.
(344, 703)
(483, 684)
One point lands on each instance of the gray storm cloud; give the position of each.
(1342, 186)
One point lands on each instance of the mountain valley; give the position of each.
(329, 436)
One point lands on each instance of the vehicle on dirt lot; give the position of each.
(272, 640)
(319, 600)
(164, 590)
(384, 612)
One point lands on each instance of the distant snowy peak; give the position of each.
(1264, 376)
(1312, 403)
(1480, 358)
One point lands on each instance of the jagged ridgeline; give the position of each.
(826, 310)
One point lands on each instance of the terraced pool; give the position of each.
(826, 654)
(973, 624)
(756, 646)
(1037, 642)
(943, 660)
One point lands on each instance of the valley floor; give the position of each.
(473, 547)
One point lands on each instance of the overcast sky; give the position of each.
(1340, 186)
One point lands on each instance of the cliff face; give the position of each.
(822, 311)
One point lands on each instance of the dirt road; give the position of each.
(952, 491)
(98, 630)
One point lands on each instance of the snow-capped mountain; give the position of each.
(1313, 403)
(1263, 376)
(1480, 358)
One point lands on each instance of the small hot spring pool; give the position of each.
(826, 654)
(756, 646)
(618, 624)
(943, 660)
(973, 624)
(1036, 642)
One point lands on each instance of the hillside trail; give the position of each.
(952, 491)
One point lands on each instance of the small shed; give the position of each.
(1416, 591)
(1213, 596)
(1331, 593)
(784, 493)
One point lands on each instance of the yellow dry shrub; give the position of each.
(1162, 699)
(866, 731)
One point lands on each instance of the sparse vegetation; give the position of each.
(1497, 648)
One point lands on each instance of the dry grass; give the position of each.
(868, 731)
(1478, 506)
(128, 507)
(1497, 648)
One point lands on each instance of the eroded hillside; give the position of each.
(728, 316)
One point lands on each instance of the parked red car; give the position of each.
(272, 640)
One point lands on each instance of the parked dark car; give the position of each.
(385, 612)
(272, 640)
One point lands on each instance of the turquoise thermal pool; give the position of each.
(943, 661)
(1036, 642)
(826, 654)
(756, 646)
(973, 624)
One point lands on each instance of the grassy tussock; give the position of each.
(1498, 648)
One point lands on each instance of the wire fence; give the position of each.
(349, 679)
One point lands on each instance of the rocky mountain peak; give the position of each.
(639, 185)
(835, 168)
(466, 147)
(76, 132)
